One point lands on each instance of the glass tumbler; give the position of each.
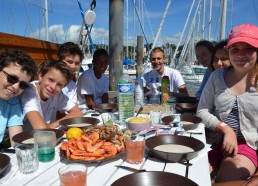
(27, 157)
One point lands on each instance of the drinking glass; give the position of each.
(112, 96)
(107, 118)
(73, 174)
(27, 157)
(170, 107)
(46, 141)
(155, 117)
(135, 150)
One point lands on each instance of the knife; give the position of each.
(3, 150)
(130, 168)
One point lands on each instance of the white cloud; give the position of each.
(58, 34)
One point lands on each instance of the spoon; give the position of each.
(139, 111)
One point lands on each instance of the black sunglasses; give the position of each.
(14, 79)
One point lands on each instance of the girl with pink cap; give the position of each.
(229, 107)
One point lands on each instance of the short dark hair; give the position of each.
(69, 49)
(218, 46)
(8, 56)
(206, 44)
(45, 66)
(99, 52)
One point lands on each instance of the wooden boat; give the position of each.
(39, 50)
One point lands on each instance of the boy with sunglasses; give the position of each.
(44, 97)
(17, 69)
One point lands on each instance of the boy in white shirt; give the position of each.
(44, 97)
(71, 54)
(93, 84)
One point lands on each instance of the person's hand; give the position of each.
(229, 146)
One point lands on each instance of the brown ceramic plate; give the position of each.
(27, 136)
(186, 107)
(119, 155)
(186, 99)
(231, 183)
(80, 122)
(182, 141)
(153, 178)
(4, 163)
(105, 107)
(188, 122)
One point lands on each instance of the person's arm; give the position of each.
(38, 122)
(89, 101)
(229, 145)
(182, 92)
(13, 131)
(203, 83)
(105, 98)
(206, 105)
(72, 113)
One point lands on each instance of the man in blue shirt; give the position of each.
(17, 69)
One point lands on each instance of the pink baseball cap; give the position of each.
(246, 33)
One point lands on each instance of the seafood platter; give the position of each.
(96, 144)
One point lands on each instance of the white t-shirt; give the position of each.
(47, 109)
(176, 79)
(70, 90)
(88, 84)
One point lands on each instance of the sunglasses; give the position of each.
(14, 79)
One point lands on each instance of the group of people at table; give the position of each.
(228, 95)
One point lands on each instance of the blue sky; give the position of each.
(25, 17)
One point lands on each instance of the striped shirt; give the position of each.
(233, 121)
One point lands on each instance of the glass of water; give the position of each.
(46, 141)
(155, 117)
(27, 157)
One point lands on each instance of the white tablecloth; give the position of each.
(105, 173)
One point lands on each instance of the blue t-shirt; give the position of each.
(204, 81)
(10, 114)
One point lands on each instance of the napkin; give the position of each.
(13, 170)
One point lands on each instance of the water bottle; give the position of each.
(138, 92)
(154, 88)
(125, 97)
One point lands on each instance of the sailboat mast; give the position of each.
(46, 19)
(161, 23)
(178, 44)
(203, 18)
(209, 35)
(223, 10)
(126, 28)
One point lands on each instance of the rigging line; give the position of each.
(231, 13)
(148, 45)
(186, 22)
(161, 23)
(215, 31)
(27, 15)
(86, 26)
(255, 10)
(148, 19)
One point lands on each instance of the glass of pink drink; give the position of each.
(135, 150)
(73, 174)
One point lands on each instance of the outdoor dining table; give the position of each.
(105, 173)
